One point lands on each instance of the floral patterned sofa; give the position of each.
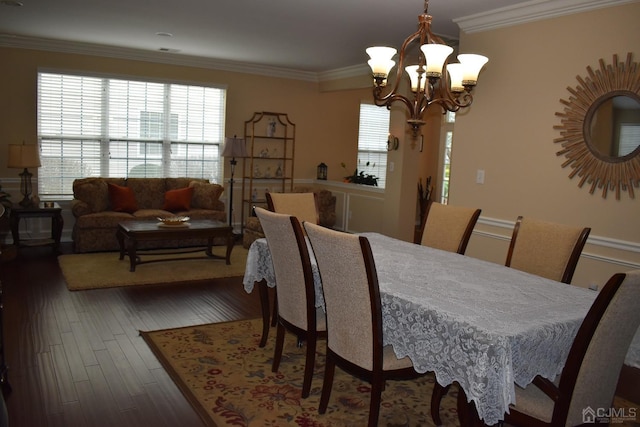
(99, 204)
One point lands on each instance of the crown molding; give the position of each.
(530, 11)
(344, 73)
(151, 56)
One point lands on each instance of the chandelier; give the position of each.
(433, 80)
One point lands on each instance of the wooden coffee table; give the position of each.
(130, 233)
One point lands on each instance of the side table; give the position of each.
(54, 212)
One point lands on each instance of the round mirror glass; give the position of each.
(612, 126)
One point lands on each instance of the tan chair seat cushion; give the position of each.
(532, 401)
(391, 362)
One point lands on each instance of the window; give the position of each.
(97, 126)
(447, 129)
(372, 142)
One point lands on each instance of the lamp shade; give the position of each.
(472, 64)
(23, 156)
(417, 81)
(234, 147)
(455, 76)
(436, 55)
(381, 62)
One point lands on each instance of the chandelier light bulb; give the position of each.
(471, 65)
(436, 55)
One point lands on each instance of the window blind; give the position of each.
(95, 126)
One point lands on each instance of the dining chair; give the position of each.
(449, 227)
(546, 249)
(590, 375)
(295, 289)
(354, 315)
(303, 206)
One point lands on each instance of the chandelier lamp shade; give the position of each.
(233, 147)
(24, 156)
(433, 80)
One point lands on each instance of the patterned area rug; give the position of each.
(228, 379)
(106, 270)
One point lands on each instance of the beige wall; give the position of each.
(509, 133)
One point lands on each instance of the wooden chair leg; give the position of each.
(274, 316)
(436, 397)
(264, 304)
(327, 383)
(377, 384)
(277, 353)
(308, 366)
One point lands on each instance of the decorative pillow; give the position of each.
(122, 199)
(92, 191)
(205, 196)
(178, 200)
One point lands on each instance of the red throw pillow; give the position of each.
(122, 199)
(178, 200)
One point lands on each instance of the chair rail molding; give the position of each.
(601, 241)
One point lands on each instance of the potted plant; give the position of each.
(360, 177)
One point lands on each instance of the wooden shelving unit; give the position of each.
(270, 139)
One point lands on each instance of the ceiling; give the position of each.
(303, 35)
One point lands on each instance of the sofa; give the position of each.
(99, 204)
(326, 211)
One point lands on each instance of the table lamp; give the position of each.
(24, 156)
(233, 147)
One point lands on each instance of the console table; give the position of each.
(40, 211)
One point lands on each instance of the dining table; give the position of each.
(485, 326)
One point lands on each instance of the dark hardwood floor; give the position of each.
(76, 358)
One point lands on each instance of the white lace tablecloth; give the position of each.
(484, 325)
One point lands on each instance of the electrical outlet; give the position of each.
(480, 176)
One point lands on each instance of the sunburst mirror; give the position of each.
(600, 128)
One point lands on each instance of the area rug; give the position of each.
(228, 380)
(106, 270)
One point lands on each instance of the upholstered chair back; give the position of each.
(597, 377)
(449, 227)
(351, 295)
(546, 249)
(303, 206)
(290, 257)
